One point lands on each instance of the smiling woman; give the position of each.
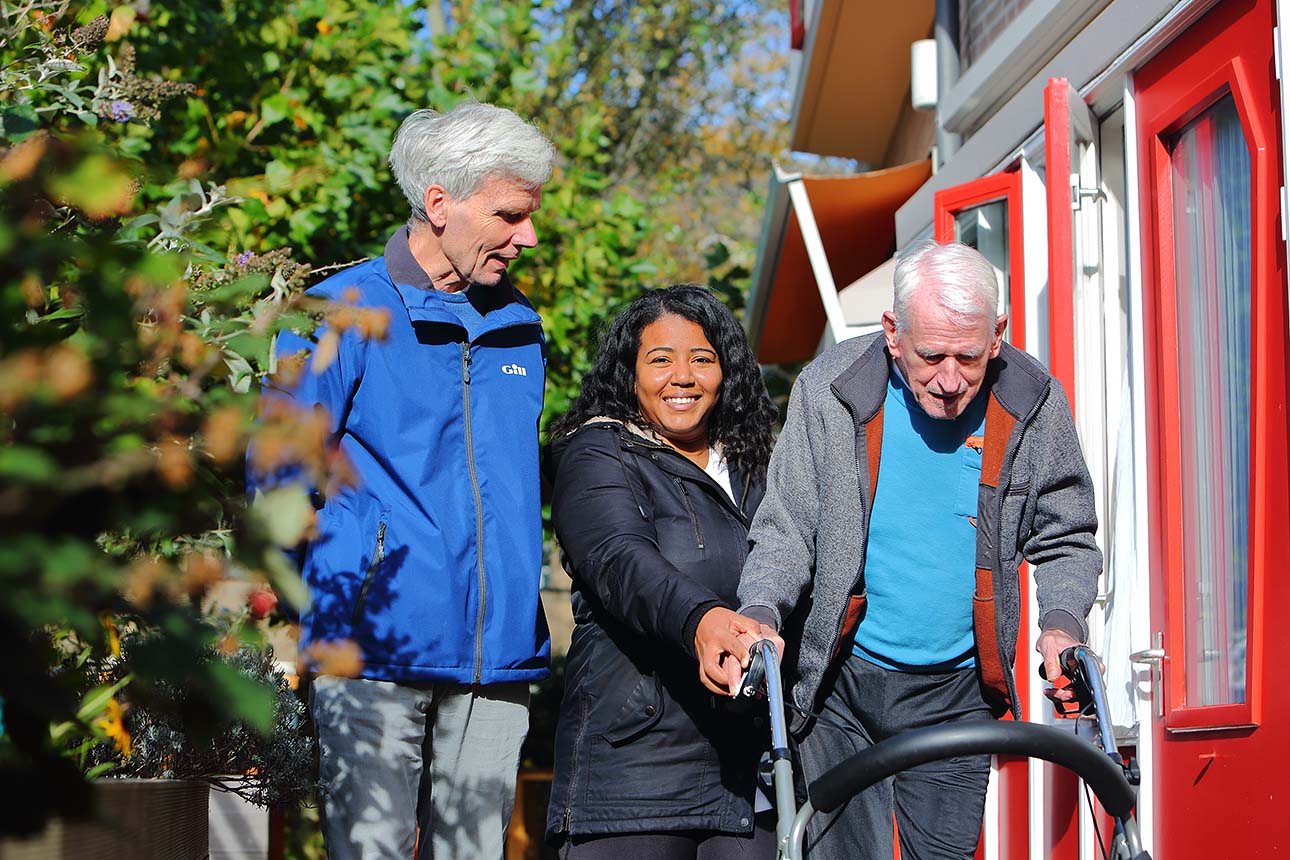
(659, 467)
(678, 380)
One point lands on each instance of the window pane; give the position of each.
(985, 228)
(1211, 218)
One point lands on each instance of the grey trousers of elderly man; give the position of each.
(393, 757)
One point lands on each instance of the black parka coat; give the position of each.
(652, 543)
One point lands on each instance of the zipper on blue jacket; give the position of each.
(479, 511)
(377, 558)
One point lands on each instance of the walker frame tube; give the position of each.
(1100, 769)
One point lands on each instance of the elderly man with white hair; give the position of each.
(431, 563)
(917, 468)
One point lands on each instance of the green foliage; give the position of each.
(658, 110)
(164, 171)
(127, 347)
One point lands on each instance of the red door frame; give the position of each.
(1061, 823)
(1061, 236)
(1014, 773)
(1215, 757)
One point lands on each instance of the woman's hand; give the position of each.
(721, 642)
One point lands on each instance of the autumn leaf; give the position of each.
(113, 636)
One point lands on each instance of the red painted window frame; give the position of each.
(1165, 107)
(1014, 772)
(1006, 185)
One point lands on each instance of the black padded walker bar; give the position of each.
(920, 746)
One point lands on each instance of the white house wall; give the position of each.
(1123, 36)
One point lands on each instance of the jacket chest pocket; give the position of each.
(692, 511)
(969, 482)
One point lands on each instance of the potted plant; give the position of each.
(250, 768)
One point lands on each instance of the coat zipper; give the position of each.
(479, 512)
(689, 506)
(377, 558)
(1001, 494)
(864, 515)
(573, 778)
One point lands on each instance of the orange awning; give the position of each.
(855, 216)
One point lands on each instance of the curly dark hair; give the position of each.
(743, 415)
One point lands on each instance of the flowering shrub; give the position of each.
(129, 348)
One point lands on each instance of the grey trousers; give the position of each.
(938, 806)
(393, 757)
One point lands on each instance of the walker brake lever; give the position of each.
(753, 683)
(1073, 678)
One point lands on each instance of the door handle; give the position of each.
(1155, 658)
(1149, 656)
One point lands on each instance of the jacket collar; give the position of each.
(425, 304)
(677, 464)
(863, 385)
(1015, 379)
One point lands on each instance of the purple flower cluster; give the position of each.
(243, 257)
(121, 111)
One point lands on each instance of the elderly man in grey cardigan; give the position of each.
(917, 468)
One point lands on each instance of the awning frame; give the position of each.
(838, 327)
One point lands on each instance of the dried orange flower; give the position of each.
(222, 434)
(142, 578)
(174, 463)
(113, 725)
(201, 571)
(68, 372)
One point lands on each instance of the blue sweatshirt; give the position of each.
(920, 563)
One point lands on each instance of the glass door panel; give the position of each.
(985, 228)
(1210, 170)
(986, 214)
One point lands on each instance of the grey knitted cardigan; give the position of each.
(809, 535)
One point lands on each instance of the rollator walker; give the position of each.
(1099, 765)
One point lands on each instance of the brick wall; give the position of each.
(981, 22)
